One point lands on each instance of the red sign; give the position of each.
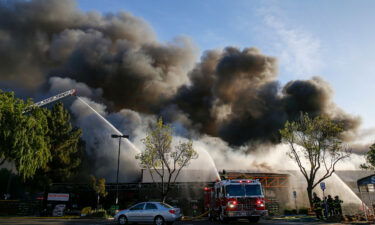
(58, 197)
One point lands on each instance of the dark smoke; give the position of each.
(49, 45)
(115, 52)
(235, 95)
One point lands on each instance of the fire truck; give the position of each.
(234, 199)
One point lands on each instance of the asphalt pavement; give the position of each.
(24, 221)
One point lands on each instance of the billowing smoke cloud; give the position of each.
(115, 52)
(235, 95)
(229, 96)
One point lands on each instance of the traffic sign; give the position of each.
(323, 186)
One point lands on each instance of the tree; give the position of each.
(162, 160)
(98, 185)
(318, 141)
(66, 145)
(23, 136)
(370, 159)
(66, 148)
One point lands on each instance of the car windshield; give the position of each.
(243, 190)
(166, 205)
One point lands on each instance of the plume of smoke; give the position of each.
(234, 95)
(229, 102)
(103, 51)
(58, 85)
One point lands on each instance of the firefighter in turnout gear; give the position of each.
(317, 204)
(330, 206)
(337, 206)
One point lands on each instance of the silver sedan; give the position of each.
(157, 213)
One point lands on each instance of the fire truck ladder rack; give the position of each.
(50, 100)
(273, 182)
(269, 181)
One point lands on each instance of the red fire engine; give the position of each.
(235, 199)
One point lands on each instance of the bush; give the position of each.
(99, 213)
(86, 211)
(290, 212)
(303, 211)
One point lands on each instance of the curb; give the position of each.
(49, 218)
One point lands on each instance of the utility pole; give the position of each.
(118, 160)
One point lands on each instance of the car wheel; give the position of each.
(254, 219)
(159, 220)
(123, 220)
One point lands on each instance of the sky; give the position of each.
(331, 39)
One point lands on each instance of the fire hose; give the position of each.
(186, 218)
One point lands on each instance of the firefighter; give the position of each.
(330, 206)
(317, 204)
(337, 206)
(224, 175)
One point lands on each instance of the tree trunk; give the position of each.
(97, 203)
(309, 190)
(163, 197)
(166, 192)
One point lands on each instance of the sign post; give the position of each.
(295, 200)
(323, 187)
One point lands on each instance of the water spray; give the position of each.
(343, 184)
(109, 124)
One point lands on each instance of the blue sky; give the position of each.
(331, 39)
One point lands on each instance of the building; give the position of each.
(283, 190)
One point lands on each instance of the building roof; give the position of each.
(185, 176)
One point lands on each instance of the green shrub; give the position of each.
(99, 213)
(290, 212)
(303, 211)
(86, 211)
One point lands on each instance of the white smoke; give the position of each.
(103, 149)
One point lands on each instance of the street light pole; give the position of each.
(118, 160)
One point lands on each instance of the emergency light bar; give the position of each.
(244, 181)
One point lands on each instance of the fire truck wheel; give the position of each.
(254, 219)
(159, 220)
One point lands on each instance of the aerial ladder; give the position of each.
(49, 100)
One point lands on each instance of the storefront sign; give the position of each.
(58, 197)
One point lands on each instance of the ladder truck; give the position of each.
(72, 92)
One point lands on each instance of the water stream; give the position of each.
(347, 188)
(110, 125)
(207, 156)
